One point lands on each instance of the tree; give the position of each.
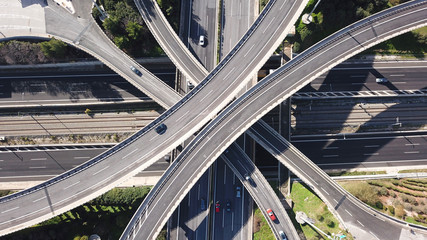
(54, 48)
(400, 212)
(134, 30)
(112, 24)
(121, 41)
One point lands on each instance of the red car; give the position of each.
(217, 205)
(271, 214)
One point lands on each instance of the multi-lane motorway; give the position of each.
(351, 41)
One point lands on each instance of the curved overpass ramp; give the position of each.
(105, 171)
(233, 121)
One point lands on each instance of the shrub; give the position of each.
(400, 212)
(391, 209)
(407, 207)
(379, 205)
(383, 191)
(320, 218)
(330, 223)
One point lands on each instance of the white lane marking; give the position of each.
(357, 76)
(371, 146)
(324, 191)
(335, 200)
(37, 167)
(265, 29)
(39, 199)
(223, 216)
(371, 154)
(374, 235)
(348, 212)
(185, 114)
(360, 223)
(331, 147)
(399, 82)
(412, 152)
(249, 50)
(228, 74)
(60, 76)
(412, 144)
(11, 209)
(232, 221)
(327, 156)
(201, 100)
(100, 170)
(127, 155)
(397, 75)
(1, 160)
(38, 159)
(81, 157)
(72, 185)
(282, 5)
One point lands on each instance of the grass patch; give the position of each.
(108, 221)
(412, 171)
(306, 201)
(262, 230)
(355, 173)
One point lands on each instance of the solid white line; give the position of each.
(71, 185)
(38, 159)
(37, 167)
(100, 170)
(412, 152)
(127, 155)
(39, 199)
(348, 212)
(374, 235)
(360, 223)
(371, 146)
(5, 211)
(327, 156)
(81, 157)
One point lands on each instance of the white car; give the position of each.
(202, 40)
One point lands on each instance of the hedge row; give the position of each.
(394, 188)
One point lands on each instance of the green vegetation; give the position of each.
(402, 198)
(126, 28)
(413, 170)
(171, 9)
(355, 173)
(307, 202)
(333, 15)
(106, 216)
(34, 52)
(262, 230)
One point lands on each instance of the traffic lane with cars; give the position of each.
(404, 75)
(228, 220)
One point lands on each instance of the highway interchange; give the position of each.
(96, 172)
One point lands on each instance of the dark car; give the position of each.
(136, 71)
(282, 235)
(217, 206)
(228, 205)
(161, 129)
